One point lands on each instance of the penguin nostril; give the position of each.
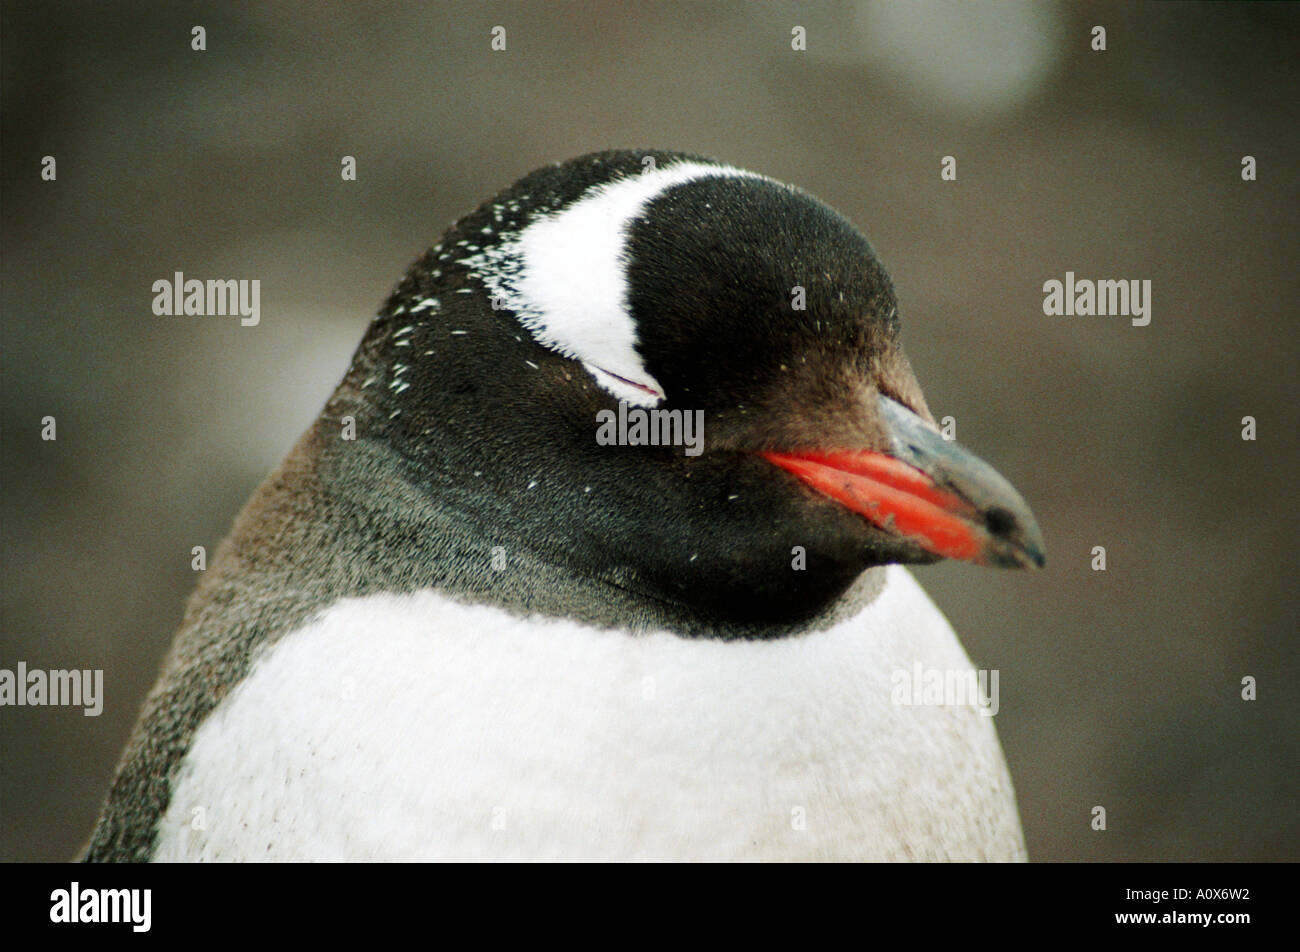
(999, 522)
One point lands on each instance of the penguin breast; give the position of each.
(413, 727)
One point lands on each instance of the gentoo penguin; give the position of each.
(455, 623)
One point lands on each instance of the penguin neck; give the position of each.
(419, 528)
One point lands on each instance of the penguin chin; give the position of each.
(771, 606)
(769, 591)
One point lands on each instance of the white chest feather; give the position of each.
(413, 727)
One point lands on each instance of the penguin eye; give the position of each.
(642, 393)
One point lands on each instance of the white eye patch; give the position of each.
(565, 276)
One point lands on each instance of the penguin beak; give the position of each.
(928, 490)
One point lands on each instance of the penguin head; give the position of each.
(685, 378)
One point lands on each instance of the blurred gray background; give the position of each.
(1119, 689)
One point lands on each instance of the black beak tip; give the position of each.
(1018, 540)
(1031, 542)
(1028, 547)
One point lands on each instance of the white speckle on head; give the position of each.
(459, 333)
(426, 305)
(565, 277)
(531, 364)
(405, 330)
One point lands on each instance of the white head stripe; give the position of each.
(565, 276)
